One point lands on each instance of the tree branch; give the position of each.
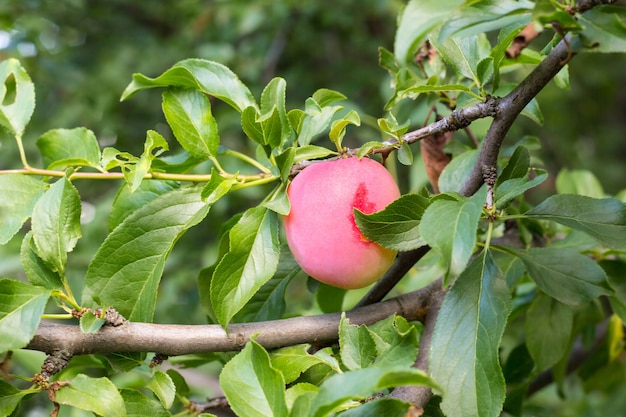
(173, 339)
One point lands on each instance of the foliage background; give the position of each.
(81, 54)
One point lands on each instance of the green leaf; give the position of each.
(274, 122)
(127, 268)
(604, 29)
(329, 299)
(10, 397)
(308, 152)
(397, 225)
(487, 16)
(138, 405)
(357, 348)
(56, 223)
(514, 187)
(388, 407)
(127, 201)
(163, 387)
(517, 166)
(268, 303)
(62, 148)
(188, 112)
(18, 195)
(396, 342)
(603, 219)
(17, 97)
(315, 120)
(252, 386)
(251, 126)
(416, 21)
(37, 272)
(450, 228)
(405, 155)
(367, 147)
(464, 54)
(21, 307)
(548, 330)
(464, 350)
(217, 187)
(90, 323)
(325, 97)
(457, 171)
(299, 398)
(251, 261)
(293, 360)
(579, 181)
(338, 129)
(361, 384)
(98, 395)
(564, 274)
(209, 77)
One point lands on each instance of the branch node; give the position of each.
(54, 363)
(113, 318)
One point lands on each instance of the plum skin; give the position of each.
(320, 228)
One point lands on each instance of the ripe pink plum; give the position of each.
(321, 231)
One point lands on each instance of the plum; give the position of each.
(320, 228)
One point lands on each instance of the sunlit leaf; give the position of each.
(98, 395)
(17, 96)
(61, 148)
(126, 270)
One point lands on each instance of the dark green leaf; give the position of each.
(464, 354)
(357, 348)
(604, 219)
(97, 395)
(18, 195)
(138, 405)
(565, 275)
(209, 77)
(416, 21)
(450, 228)
(61, 148)
(548, 330)
(329, 299)
(126, 270)
(56, 223)
(37, 272)
(396, 226)
(362, 383)
(21, 307)
(252, 386)
(517, 165)
(18, 101)
(464, 53)
(615, 271)
(127, 201)
(251, 261)
(188, 112)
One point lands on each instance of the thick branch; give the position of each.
(185, 339)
